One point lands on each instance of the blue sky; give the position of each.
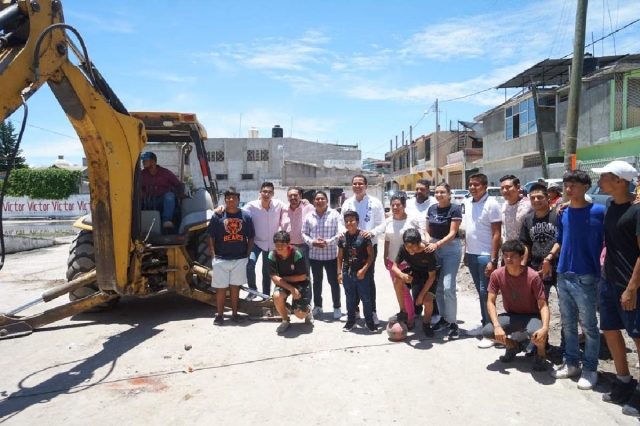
(351, 72)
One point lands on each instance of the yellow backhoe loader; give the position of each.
(120, 249)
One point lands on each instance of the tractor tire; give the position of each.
(81, 260)
(203, 257)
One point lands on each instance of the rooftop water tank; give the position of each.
(277, 132)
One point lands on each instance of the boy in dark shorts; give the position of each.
(288, 272)
(355, 256)
(421, 272)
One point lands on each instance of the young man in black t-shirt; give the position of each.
(355, 257)
(620, 280)
(230, 238)
(421, 270)
(288, 271)
(538, 234)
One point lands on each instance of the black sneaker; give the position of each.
(218, 320)
(399, 317)
(372, 327)
(350, 325)
(539, 363)
(620, 392)
(237, 319)
(427, 329)
(442, 324)
(632, 407)
(454, 333)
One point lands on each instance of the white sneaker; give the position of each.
(485, 343)
(434, 319)
(337, 313)
(588, 380)
(317, 311)
(284, 326)
(376, 320)
(566, 371)
(309, 318)
(475, 331)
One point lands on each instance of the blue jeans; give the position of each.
(251, 270)
(476, 264)
(352, 287)
(448, 257)
(578, 296)
(165, 204)
(331, 266)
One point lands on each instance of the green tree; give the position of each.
(50, 183)
(8, 141)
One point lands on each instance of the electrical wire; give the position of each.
(10, 166)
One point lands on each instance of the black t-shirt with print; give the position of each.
(422, 262)
(440, 218)
(539, 233)
(354, 251)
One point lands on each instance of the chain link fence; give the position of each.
(626, 105)
(587, 165)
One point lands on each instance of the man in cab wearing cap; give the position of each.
(158, 186)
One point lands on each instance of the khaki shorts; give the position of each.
(229, 272)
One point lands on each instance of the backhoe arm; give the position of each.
(32, 53)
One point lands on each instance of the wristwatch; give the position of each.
(494, 261)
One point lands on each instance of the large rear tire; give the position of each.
(203, 257)
(81, 260)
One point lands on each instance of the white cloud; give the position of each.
(122, 25)
(166, 76)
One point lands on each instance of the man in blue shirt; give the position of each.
(230, 241)
(579, 242)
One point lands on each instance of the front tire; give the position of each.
(81, 260)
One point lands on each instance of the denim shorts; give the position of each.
(612, 316)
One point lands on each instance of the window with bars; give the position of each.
(247, 176)
(222, 177)
(215, 156)
(626, 101)
(257, 155)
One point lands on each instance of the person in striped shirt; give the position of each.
(320, 233)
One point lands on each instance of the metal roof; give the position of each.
(556, 72)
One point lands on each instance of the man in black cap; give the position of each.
(158, 185)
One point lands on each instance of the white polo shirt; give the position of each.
(478, 217)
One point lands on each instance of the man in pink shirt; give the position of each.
(291, 220)
(158, 186)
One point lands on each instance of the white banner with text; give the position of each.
(24, 207)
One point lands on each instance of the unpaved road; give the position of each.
(130, 366)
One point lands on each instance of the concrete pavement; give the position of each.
(131, 366)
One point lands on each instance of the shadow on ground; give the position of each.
(143, 315)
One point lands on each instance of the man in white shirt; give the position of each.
(419, 204)
(265, 213)
(482, 221)
(372, 224)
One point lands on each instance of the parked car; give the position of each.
(528, 185)
(458, 195)
(599, 197)
(411, 194)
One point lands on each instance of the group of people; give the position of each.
(519, 250)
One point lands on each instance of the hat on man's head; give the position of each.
(148, 156)
(555, 187)
(622, 169)
(541, 179)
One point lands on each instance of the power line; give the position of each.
(45, 130)
(608, 35)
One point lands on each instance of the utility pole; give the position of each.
(240, 127)
(437, 142)
(573, 114)
(540, 142)
(411, 152)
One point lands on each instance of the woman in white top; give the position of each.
(399, 222)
